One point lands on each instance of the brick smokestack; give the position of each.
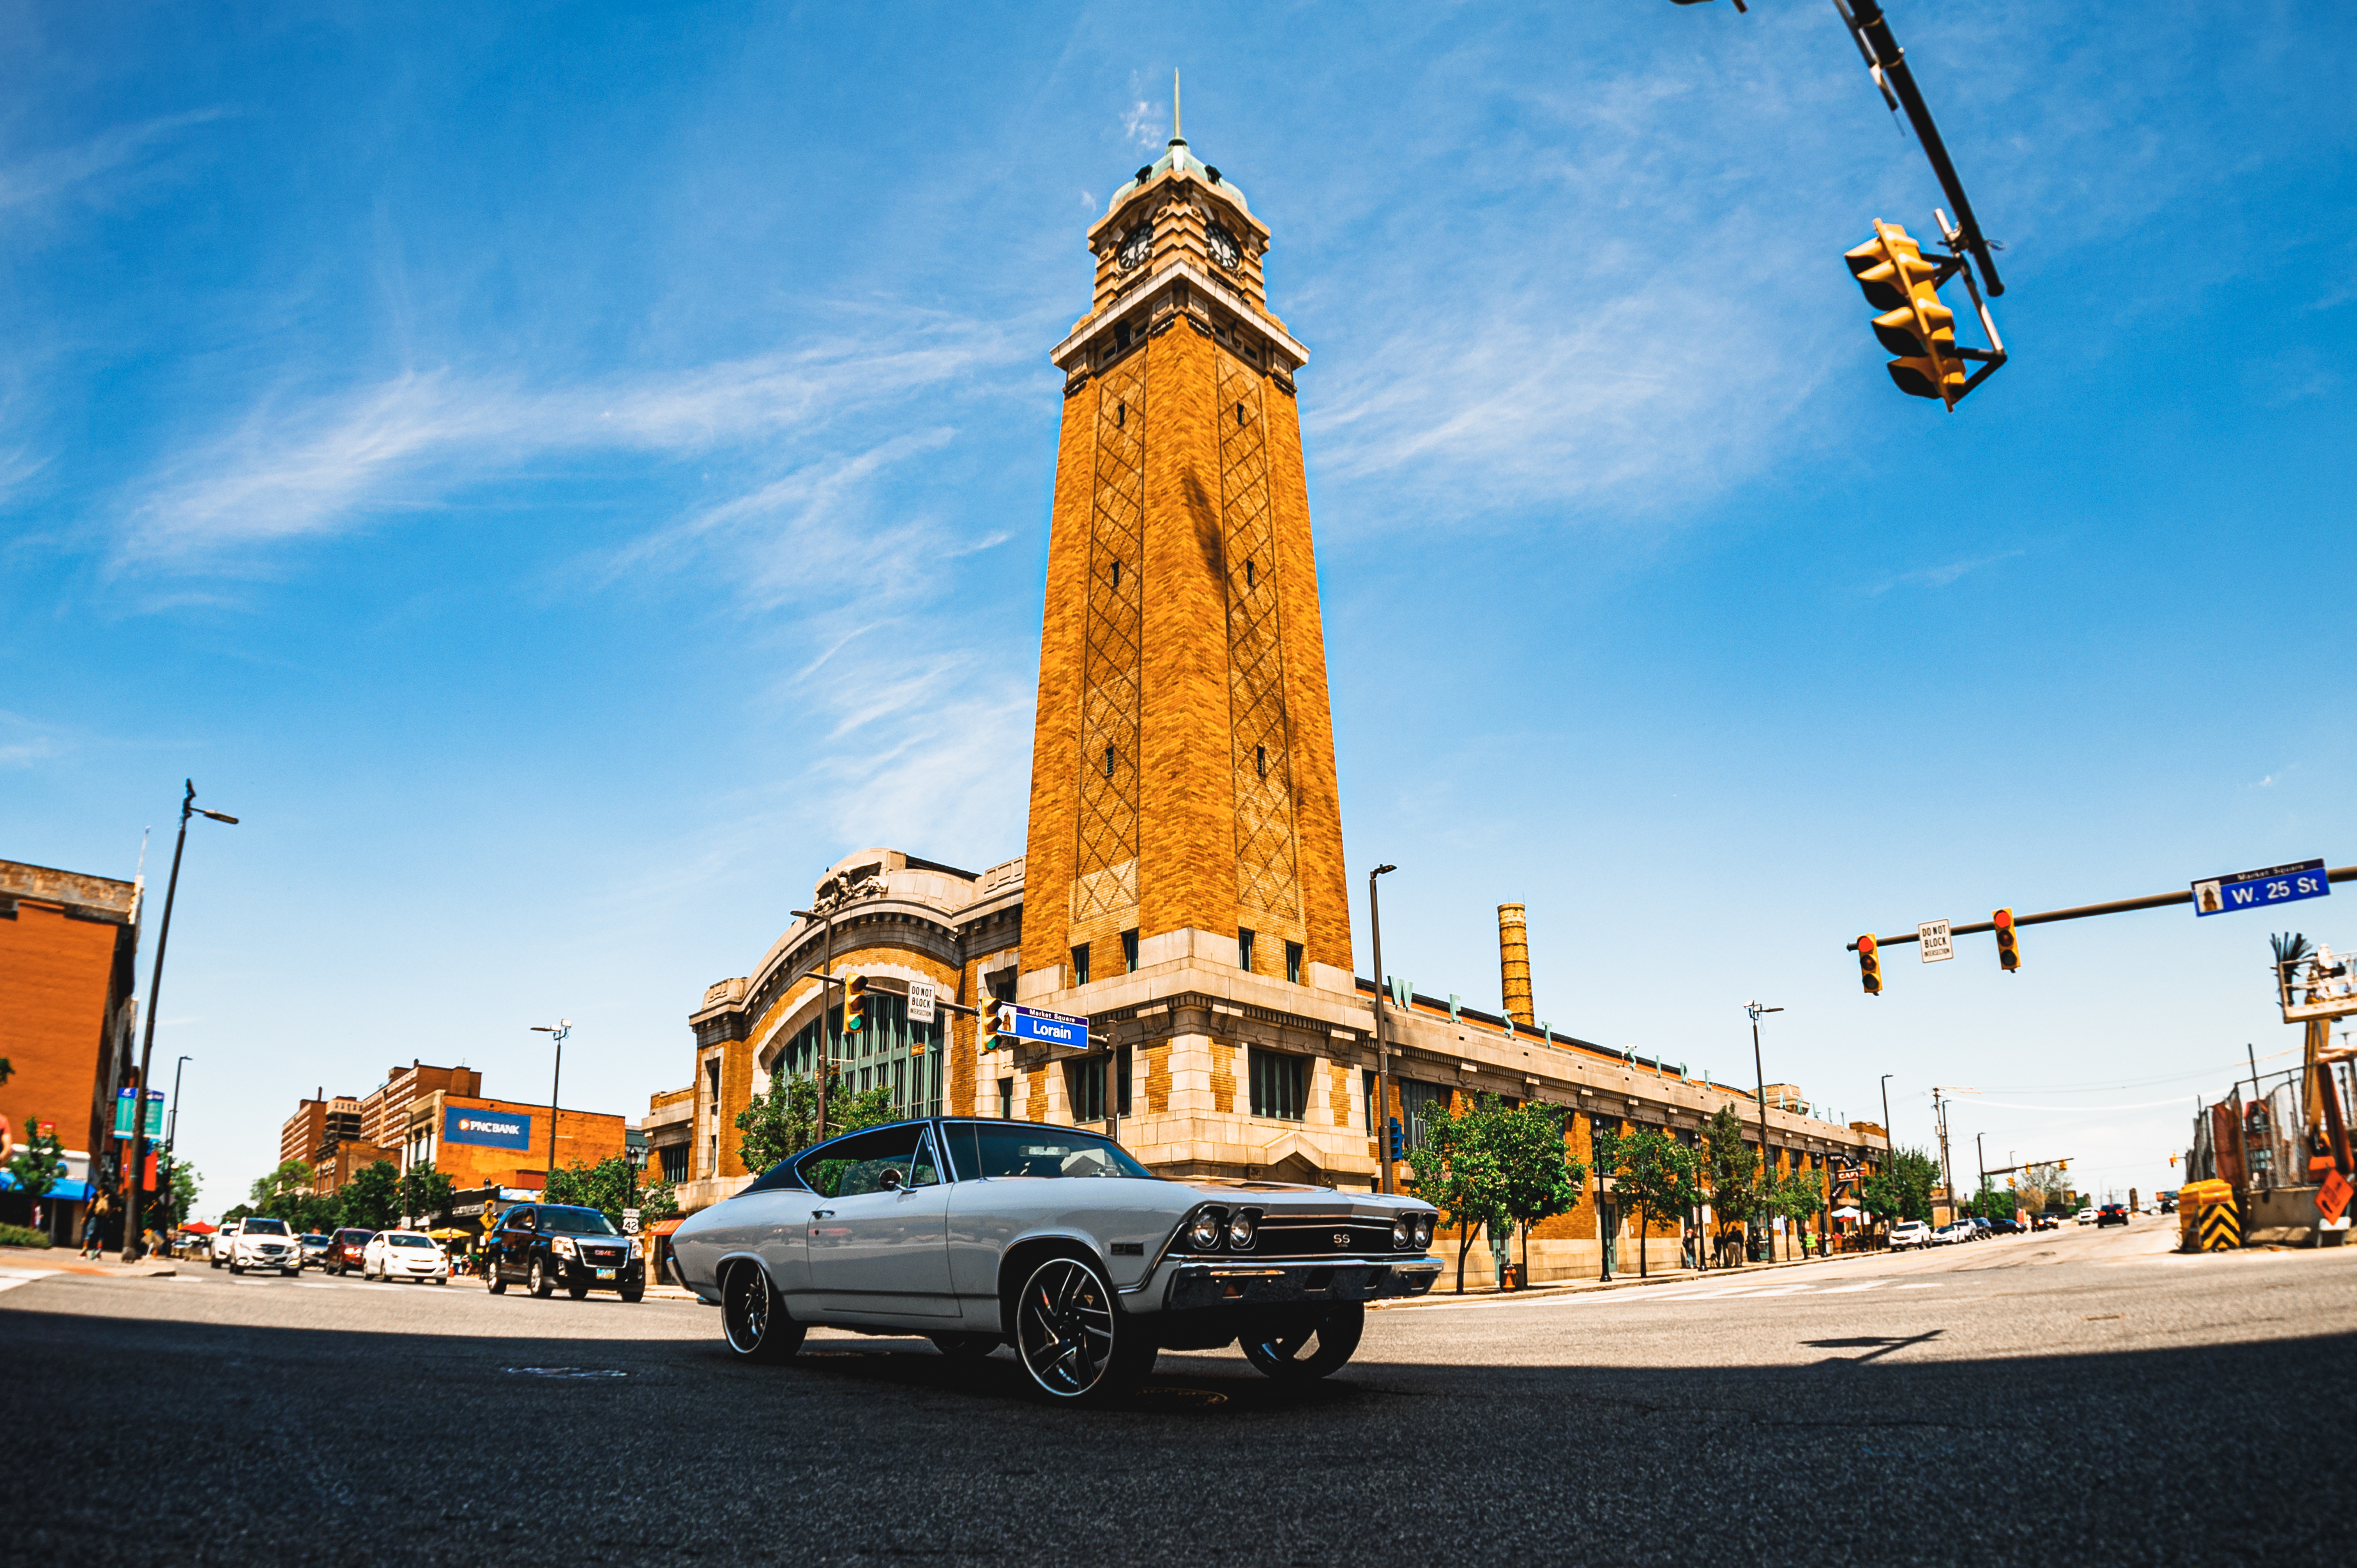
(1514, 965)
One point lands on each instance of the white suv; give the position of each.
(404, 1255)
(1909, 1233)
(263, 1243)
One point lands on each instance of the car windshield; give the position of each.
(987, 1149)
(265, 1228)
(353, 1238)
(576, 1223)
(398, 1239)
(310, 1239)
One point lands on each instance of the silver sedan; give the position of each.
(1053, 1240)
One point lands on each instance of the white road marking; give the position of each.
(1869, 1285)
(11, 1278)
(1925, 1285)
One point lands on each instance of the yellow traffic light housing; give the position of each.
(854, 1005)
(1869, 964)
(2008, 941)
(986, 1025)
(1904, 286)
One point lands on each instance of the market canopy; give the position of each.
(1847, 1212)
(451, 1233)
(198, 1228)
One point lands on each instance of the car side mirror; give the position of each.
(889, 1181)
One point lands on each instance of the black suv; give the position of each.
(2111, 1214)
(543, 1245)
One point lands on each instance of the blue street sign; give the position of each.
(1049, 1028)
(2257, 889)
(124, 1099)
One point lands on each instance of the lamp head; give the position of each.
(1381, 870)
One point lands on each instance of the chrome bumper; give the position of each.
(1243, 1283)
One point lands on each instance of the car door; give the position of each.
(878, 1243)
(518, 1229)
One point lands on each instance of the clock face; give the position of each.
(1224, 246)
(1133, 246)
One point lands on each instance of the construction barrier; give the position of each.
(2195, 1200)
(2221, 1227)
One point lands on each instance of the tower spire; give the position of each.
(1174, 107)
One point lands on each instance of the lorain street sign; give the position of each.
(1048, 1028)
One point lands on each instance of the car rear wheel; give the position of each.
(1074, 1338)
(752, 1319)
(1309, 1348)
(541, 1285)
(964, 1347)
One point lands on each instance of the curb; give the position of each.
(1586, 1287)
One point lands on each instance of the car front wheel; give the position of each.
(1073, 1339)
(493, 1281)
(1309, 1348)
(751, 1318)
(541, 1285)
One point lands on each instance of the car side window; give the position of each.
(925, 1170)
(849, 1167)
(525, 1220)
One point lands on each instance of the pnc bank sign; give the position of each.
(491, 1129)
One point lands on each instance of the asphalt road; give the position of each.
(2070, 1397)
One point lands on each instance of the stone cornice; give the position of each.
(1183, 269)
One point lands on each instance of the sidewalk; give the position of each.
(64, 1260)
(1445, 1290)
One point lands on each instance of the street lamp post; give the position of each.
(1382, 1129)
(555, 1032)
(172, 1124)
(188, 808)
(1760, 1073)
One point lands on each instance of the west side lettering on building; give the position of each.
(1048, 1028)
(2255, 890)
(491, 1129)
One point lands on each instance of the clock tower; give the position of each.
(1183, 797)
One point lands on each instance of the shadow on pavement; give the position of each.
(138, 1440)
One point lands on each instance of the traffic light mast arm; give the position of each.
(2118, 907)
(1872, 28)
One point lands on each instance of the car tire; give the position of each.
(216, 1263)
(542, 1287)
(292, 1273)
(235, 1267)
(964, 1347)
(578, 1292)
(494, 1282)
(1282, 1355)
(634, 1293)
(752, 1319)
(1074, 1338)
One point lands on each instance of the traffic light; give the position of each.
(2172, 1162)
(2008, 941)
(1398, 1141)
(986, 1025)
(1870, 965)
(854, 1005)
(1913, 324)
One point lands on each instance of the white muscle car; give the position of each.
(1053, 1240)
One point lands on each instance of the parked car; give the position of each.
(347, 1249)
(2112, 1214)
(2085, 1217)
(1909, 1233)
(545, 1245)
(1950, 1233)
(1982, 1228)
(1055, 1242)
(315, 1250)
(2003, 1227)
(217, 1253)
(265, 1243)
(404, 1255)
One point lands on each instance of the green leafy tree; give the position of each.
(237, 1211)
(425, 1193)
(276, 1195)
(186, 1184)
(37, 1170)
(1653, 1174)
(1800, 1199)
(611, 1185)
(1458, 1171)
(1902, 1189)
(783, 1121)
(372, 1198)
(1541, 1178)
(1731, 1167)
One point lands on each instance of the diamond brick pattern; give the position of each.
(1104, 884)
(1268, 886)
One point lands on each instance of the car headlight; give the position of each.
(1240, 1229)
(564, 1246)
(1403, 1232)
(1204, 1232)
(635, 1253)
(1424, 1230)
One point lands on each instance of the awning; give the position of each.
(451, 1233)
(63, 1192)
(664, 1228)
(1848, 1213)
(198, 1228)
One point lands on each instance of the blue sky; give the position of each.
(566, 474)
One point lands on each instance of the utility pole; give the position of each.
(1383, 1127)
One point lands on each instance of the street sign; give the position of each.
(920, 1001)
(124, 1113)
(629, 1222)
(2256, 889)
(1042, 1028)
(1933, 935)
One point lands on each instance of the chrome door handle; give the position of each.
(822, 1214)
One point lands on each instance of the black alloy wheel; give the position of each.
(542, 1287)
(1287, 1354)
(751, 1318)
(1073, 1339)
(964, 1347)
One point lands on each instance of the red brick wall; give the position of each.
(55, 979)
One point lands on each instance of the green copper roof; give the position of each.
(1181, 156)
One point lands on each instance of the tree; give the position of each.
(1457, 1170)
(1732, 1166)
(236, 1212)
(372, 1198)
(1541, 1178)
(611, 1185)
(274, 1195)
(425, 1193)
(783, 1121)
(1653, 1174)
(1799, 1197)
(42, 1167)
(2045, 1186)
(186, 1184)
(1902, 1189)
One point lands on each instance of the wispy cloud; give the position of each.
(90, 168)
(1942, 575)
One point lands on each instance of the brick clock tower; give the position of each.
(1182, 772)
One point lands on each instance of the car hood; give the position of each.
(1278, 1198)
